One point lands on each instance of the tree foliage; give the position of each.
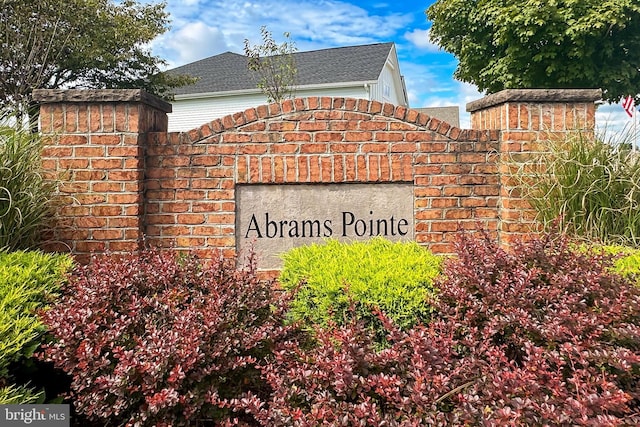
(79, 43)
(274, 65)
(508, 44)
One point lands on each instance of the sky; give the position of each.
(202, 28)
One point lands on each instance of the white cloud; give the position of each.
(422, 40)
(191, 42)
(214, 24)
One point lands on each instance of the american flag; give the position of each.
(628, 105)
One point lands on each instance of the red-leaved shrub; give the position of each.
(541, 335)
(160, 339)
(546, 335)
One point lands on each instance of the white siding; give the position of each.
(357, 92)
(192, 113)
(389, 87)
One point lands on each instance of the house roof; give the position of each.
(228, 71)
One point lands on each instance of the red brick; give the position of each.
(428, 170)
(202, 183)
(253, 149)
(191, 172)
(73, 140)
(429, 214)
(358, 136)
(313, 126)
(373, 168)
(442, 158)
(90, 222)
(220, 195)
(296, 137)
(106, 210)
(205, 231)
(206, 206)
(205, 160)
(284, 148)
(221, 219)
(389, 136)
(189, 242)
(375, 148)
(278, 169)
(123, 151)
(282, 126)
(105, 139)
(106, 187)
(433, 147)
(303, 169)
(122, 199)
(125, 175)
(190, 194)
(85, 151)
(427, 192)
(444, 226)
(107, 234)
(313, 148)
(404, 147)
(218, 242)
(314, 169)
(190, 219)
(122, 222)
(328, 137)
(106, 163)
(444, 202)
(361, 168)
(290, 165)
(458, 214)
(254, 169)
(50, 165)
(70, 163)
(373, 125)
(88, 247)
(175, 207)
(265, 169)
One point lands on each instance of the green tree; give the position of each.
(274, 65)
(508, 44)
(79, 44)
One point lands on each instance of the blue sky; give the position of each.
(202, 28)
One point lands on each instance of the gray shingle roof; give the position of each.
(228, 71)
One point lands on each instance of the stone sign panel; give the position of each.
(272, 219)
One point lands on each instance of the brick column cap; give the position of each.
(52, 96)
(535, 95)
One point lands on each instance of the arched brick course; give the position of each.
(191, 176)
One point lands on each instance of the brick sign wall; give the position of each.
(125, 178)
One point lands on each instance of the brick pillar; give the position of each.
(526, 119)
(94, 144)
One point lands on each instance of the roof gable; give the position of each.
(228, 71)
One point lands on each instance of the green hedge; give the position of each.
(629, 264)
(628, 261)
(396, 277)
(29, 281)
